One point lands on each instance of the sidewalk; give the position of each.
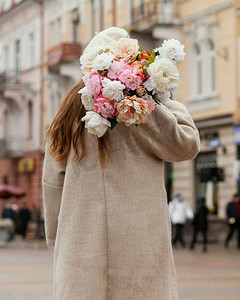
(26, 273)
(214, 275)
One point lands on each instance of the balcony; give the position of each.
(3, 147)
(152, 13)
(65, 52)
(10, 80)
(10, 147)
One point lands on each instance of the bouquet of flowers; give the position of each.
(124, 83)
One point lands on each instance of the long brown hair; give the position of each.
(63, 136)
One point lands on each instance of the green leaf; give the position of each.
(113, 122)
(145, 72)
(153, 53)
(139, 48)
(151, 58)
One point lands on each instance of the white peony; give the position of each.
(88, 56)
(95, 123)
(87, 100)
(112, 90)
(103, 61)
(164, 75)
(173, 50)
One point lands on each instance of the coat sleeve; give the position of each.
(52, 186)
(170, 133)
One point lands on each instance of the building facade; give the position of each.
(68, 26)
(21, 97)
(209, 88)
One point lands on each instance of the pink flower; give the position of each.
(133, 110)
(115, 68)
(105, 107)
(131, 78)
(94, 85)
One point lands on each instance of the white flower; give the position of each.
(125, 49)
(164, 75)
(113, 90)
(85, 76)
(88, 56)
(87, 100)
(148, 97)
(173, 50)
(95, 123)
(103, 61)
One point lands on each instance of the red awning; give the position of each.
(7, 191)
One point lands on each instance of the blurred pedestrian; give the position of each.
(8, 212)
(25, 217)
(233, 216)
(200, 223)
(35, 214)
(179, 212)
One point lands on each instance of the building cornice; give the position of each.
(209, 11)
(215, 122)
(17, 9)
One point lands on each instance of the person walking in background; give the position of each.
(233, 216)
(200, 223)
(25, 217)
(8, 212)
(35, 214)
(179, 212)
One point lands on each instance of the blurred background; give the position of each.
(40, 45)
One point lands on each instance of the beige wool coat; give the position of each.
(110, 226)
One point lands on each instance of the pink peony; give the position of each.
(133, 110)
(94, 85)
(125, 49)
(115, 68)
(105, 107)
(131, 78)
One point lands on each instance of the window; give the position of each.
(196, 70)
(75, 22)
(52, 108)
(6, 124)
(54, 104)
(52, 34)
(203, 94)
(101, 14)
(55, 32)
(31, 50)
(203, 62)
(58, 31)
(6, 58)
(209, 66)
(166, 9)
(30, 120)
(130, 5)
(17, 59)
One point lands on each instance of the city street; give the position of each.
(26, 272)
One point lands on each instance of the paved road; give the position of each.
(214, 275)
(26, 273)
